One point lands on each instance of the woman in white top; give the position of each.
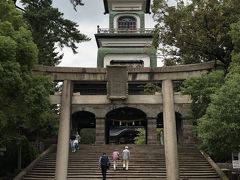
(125, 157)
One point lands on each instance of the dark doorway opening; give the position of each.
(122, 125)
(179, 130)
(84, 123)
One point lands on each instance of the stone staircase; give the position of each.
(147, 163)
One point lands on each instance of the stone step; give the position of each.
(147, 162)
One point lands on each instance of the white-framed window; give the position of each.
(127, 23)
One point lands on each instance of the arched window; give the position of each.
(127, 23)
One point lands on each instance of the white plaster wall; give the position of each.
(144, 57)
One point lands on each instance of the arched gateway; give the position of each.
(102, 98)
(122, 124)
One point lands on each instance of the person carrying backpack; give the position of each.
(104, 164)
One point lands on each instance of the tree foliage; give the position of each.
(200, 89)
(141, 136)
(219, 128)
(51, 30)
(196, 31)
(24, 97)
(216, 103)
(151, 88)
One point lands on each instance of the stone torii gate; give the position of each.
(164, 74)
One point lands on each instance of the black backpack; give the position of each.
(104, 160)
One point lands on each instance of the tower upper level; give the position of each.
(127, 15)
(126, 41)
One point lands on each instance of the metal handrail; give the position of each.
(128, 31)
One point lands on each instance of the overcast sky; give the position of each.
(87, 17)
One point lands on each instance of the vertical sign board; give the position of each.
(117, 78)
(236, 164)
(236, 160)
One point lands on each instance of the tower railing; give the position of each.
(124, 31)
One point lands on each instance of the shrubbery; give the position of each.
(87, 136)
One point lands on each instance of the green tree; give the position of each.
(151, 88)
(196, 31)
(216, 102)
(141, 136)
(17, 55)
(200, 89)
(201, 31)
(24, 97)
(51, 30)
(219, 128)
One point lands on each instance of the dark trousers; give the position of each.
(104, 171)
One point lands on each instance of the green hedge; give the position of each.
(87, 136)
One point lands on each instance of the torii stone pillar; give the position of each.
(63, 133)
(170, 137)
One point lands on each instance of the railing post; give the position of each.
(98, 29)
(124, 30)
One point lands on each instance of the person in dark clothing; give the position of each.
(104, 164)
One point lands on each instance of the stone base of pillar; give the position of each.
(100, 139)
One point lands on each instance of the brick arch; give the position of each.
(81, 108)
